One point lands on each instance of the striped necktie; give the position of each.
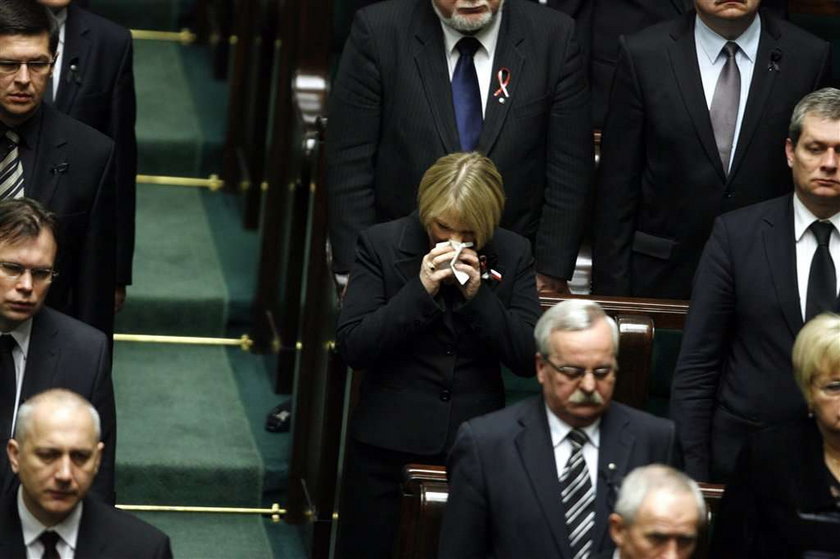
(578, 498)
(11, 169)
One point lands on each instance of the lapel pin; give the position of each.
(503, 77)
(611, 466)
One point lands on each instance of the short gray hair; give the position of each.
(823, 103)
(56, 396)
(655, 477)
(571, 315)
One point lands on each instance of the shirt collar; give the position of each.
(803, 218)
(21, 334)
(560, 429)
(29, 130)
(487, 36)
(68, 528)
(58, 16)
(710, 43)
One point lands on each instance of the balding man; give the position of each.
(56, 453)
(658, 515)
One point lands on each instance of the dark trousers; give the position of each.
(369, 511)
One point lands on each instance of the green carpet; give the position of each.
(169, 135)
(183, 437)
(160, 15)
(178, 285)
(216, 536)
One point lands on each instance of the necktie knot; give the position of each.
(822, 231)
(468, 46)
(578, 438)
(730, 49)
(49, 539)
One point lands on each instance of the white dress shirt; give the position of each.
(21, 334)
(67, 529)
(483, 58)
(806, 246)
(711, 60)
(559, 429)
(60, 19)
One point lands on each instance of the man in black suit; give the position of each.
(93, 81)
(44, 348)
(60, 162)
(756, 285)
(524, 478)
(56, 453)
(693, 132)
(527, 108)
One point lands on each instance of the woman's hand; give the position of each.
(468, 263)
(435, 268)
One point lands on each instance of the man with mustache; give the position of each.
(540, 478)
(419, 79)
(56, 453)
(696, 125)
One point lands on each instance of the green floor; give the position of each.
(190, 419)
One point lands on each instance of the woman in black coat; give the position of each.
(430, 345)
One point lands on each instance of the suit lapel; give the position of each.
(91, 541)
(42, 358)
(76, 49)
(52, 151)
(430, 57)
(411, 248)
(683, 55)
(780, 251)
(762, 85)
(11, 533)
(616, 442)
(508, 57)
(534, 446)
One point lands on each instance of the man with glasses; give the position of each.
(539, 479)
(41, 348)
(60, 162)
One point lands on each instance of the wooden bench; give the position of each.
(425, 491)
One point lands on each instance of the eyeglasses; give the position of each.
(37, 67)
(13, 270)
(574, 373)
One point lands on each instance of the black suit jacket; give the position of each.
(734, 372)
(103, 532)
(781, 471)
(97, 87)
(661, 182)
(504, 494)
(391, 117)
(429, 364)
(73, 176)
(66, 353)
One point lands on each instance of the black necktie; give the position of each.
(466, 96)
(578, 498)
(724, 108)
(822, 279)
(49, 539)
(8, 386)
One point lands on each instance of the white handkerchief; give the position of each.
(462, 277)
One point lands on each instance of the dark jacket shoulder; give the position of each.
(57, 125)
(105, 30)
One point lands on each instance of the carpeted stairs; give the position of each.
(190, 417)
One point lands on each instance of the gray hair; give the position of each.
(571, 315)
(823, 103)
(655, 477)
(56, 396)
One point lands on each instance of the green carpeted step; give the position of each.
(162, 15)
(178, 286)
(169, 134)
(183, 435)
(219, 536)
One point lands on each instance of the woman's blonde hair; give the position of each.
(817, 348)
(464, 186)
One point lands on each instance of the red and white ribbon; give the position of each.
(503, 76)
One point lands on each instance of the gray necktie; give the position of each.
(724, 109)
